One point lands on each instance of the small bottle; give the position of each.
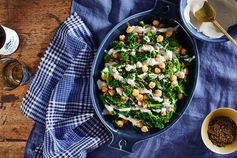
(9, 40)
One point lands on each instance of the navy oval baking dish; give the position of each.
(125, 138)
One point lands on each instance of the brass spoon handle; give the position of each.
(225, 33)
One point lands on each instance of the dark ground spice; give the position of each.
(222, 131)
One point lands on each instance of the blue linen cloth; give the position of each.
(59, 98)
(217, 87)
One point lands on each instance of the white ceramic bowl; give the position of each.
(232, 30)
(228, 112)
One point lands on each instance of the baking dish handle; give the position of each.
(167, 9)
(122, 142)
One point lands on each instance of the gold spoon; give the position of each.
(208, 14)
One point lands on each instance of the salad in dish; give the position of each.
(144, 75)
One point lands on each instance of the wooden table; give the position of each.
(36, 22)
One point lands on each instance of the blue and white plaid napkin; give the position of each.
(59, 96)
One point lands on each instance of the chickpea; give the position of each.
(115, 55)
(174, 83)
(139, 103)
(135, 92)
(163, 113)
(186, 71)
(168, 34)
(162, 65)
(152, 85)
(156, 23)
(121, 42)
(139, 29)
(145, 97)
(139, 124)
(158, 56)
(158, 93)
(183, 51)
(159, 38)
(119, 123)
(133, 53)
(121, 37)
(139, 97)
(103, 76)
(129, 29)
(111, 92)
(173, 78)
(177, 50)
(104, 89)
(157, 70)
(180, 75)
(144, 129)
(125, 121)
(180, 96)
(144, 68)
(144, 105)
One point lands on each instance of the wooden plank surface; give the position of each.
(17, 149)
(36, 22)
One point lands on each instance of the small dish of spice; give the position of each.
(219, 131)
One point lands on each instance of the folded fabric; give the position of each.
(59, 97)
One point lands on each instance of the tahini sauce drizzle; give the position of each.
(226, 15)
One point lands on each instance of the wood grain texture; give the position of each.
(12, 149)
(36, 22)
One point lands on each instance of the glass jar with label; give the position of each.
(9, 41)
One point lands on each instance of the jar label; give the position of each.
(11, 42)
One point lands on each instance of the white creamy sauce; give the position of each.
(180, 74)
(129, 67)
(163, 110)
(157, 98)
(153, 76)
(110, 108)
(143, 110)
(168, 55)
(105, 112)
(139, 64)
(116, 74)
(152, 62)
(100, 84)
(146, 48)
(175, 69)
(132, 53)
(131, 82)
(124, 98)
(132, 120)
(142, 75)
(145, 91)
(168, 29)
(119, 90)
(156, 110)
(111, 51)
(226, 15)
(190, 59)
(161, 76)
(152, 29)
(167, 103)
(161, 59)
(124, 109)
